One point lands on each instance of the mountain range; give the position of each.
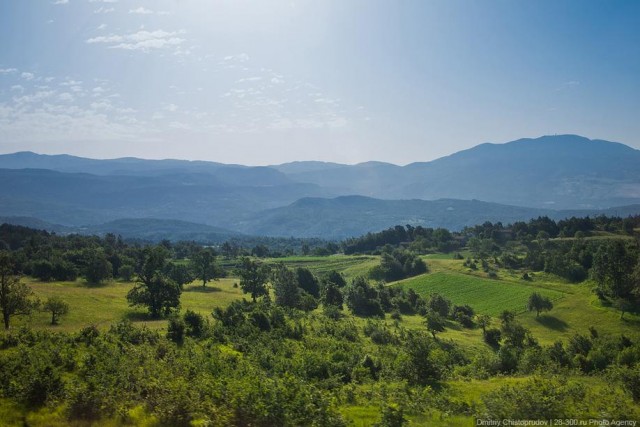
(557, 176)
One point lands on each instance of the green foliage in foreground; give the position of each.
(261, 364)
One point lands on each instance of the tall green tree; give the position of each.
(331, 295)
(16, 298)
(539, 303)
(363, 299)
(285, 287)
(97, 268)
(203, 264)
(154, 289)
(308, 282)
(253, 278)
(613, 269)
(180, 274)
(57, 307)
(434, 322)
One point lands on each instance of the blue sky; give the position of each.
(266, 82)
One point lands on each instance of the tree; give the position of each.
(507, 317)
(335, 277)
(439, 304)
(57, 307)
(159, 294)
(362, 298)
(180, 274)
(307, 281)
(97, 268)
(484, 320)
(331, 295)
(16, 298)
(285, 287)
(614, 269)
(203, 264)
(539, 303)
(126, 272)
(417, 362)
(435, 323)
(154, 289)
(253, 278)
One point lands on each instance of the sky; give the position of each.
(267, 82)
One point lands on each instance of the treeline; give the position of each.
(419, 238)
(429, 240)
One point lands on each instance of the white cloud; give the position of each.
(142, 40)
(98, 90)
(141, 11)
(101, 26)
(34, 98)
(171, 107)
(102, 105)
(324, 101)
(249, 79)
(66, 97)
(103, 9)
(17, 87)
(27, 76)
(240, 57)
(61, 2)
(103, 1)
(70, 82)
(8, 70)
(179, 125)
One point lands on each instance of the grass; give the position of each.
(576, 308)
(106, 304)
(484, 295)
(349, 265)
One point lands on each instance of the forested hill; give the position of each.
(516, 181)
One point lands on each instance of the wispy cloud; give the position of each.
(142, 40)
(141, 11)
(249, 79)
(27, 76)
(103, 9)
(8, 70)
(61, 2)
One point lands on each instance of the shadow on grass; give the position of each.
(203, 289)
(139, 316)
(94, 285)
(552, 322)
(631, 321)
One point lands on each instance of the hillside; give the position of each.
(516, 181)
(562, 172)
(349, 216)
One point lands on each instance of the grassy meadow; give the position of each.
(575, 309)
(105, 304)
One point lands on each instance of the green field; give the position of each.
(349, 266)
(576, 308)
(484, 295)
(106, 304)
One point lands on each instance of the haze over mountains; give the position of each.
(542, 176)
